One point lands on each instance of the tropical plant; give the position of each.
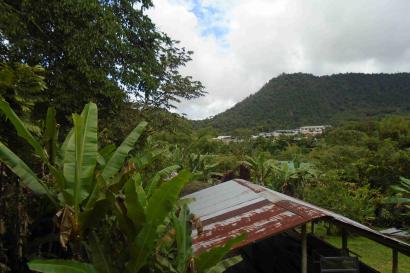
(291, 176)
(204, 167)
(402, 196)
(210, 261)
(158, 236)
(261, 168)
(353, 201)
(22, 86)
(98, 196)
(142, 220)
(75, 182)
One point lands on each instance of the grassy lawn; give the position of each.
(373, 254)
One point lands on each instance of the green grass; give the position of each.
(371, 253)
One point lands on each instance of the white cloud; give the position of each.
(267, 37)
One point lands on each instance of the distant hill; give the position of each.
(292, 100)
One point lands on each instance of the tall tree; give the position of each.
(107, 51)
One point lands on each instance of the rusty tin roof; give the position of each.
(231, 208)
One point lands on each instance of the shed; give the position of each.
(270, 218)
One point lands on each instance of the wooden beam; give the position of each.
(312, 227)
(392, 243)
(395, 261)
(304, 249)
(344, 242)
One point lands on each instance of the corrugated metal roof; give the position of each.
(238, 206)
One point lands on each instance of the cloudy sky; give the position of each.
(240, 44)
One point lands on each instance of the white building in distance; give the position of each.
(304, 130)
(313, 130)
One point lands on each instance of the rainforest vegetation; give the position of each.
(93, 163)
(293, 100)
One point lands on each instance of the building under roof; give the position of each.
(274, 223)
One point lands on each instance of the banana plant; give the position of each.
(203, 167)
(182, 238)
(261, 168)
(76, 182)
(223, 265)
(402, 193)
(61, 266)
(87, 185)
(290, 176)
(140, 218)
(27, 176)
(210, 261)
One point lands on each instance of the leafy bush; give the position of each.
(349, 199)
(102, 195)
(401, 198)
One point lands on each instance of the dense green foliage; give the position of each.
(101, 194)
(105, 51)
(359, 164)
(93, 189)
(292, 100)
(356, 163)
(402, 196)
(100, 191)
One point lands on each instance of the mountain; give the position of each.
(292, 100)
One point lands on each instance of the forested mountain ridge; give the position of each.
(291, 100)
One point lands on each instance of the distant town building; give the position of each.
(304, 130)
(301, 131)
(313, 130)
(292, 132)
(226, 139)
(263, 134)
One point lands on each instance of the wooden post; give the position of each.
(304, 249)
(395, 261)
(312, 227)
(344, 242)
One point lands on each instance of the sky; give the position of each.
(239, 45)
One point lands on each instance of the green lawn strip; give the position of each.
(373, 254)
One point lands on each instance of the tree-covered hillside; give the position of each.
(291, 100)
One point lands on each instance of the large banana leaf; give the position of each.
(100, 160)
(104, 154)
(153, 184)
(183, 238)
(134, 209)
(101, 255)
(21, 129)
(50, 139)
(61, 266)
(159, 206)
(124, 223)
(116, 161)
(80, 156)
(400, 200)
(146, 158)
(207, 260)
(95, 207)
(63, 147)
(27, 176)
(142, 195)
(107, 151)
(59, 179)
(223, 265)
(91, 218)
